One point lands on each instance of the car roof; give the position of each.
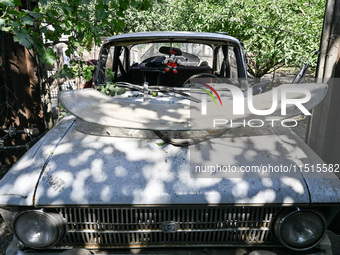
(177, 35)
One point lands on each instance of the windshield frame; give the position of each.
(130, 40)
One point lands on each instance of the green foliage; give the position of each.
(11, 3)
(62, 112)
(275, 33)
(64, 72)
(83, 21)
(110, 88)
(80, 68)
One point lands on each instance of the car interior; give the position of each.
(171, 64)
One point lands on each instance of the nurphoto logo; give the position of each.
(204, 98)
(240, 101)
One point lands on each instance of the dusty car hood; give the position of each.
(175, 113)
(80, 163)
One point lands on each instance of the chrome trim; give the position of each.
(143, 227)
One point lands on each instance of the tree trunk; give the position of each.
(21, 91)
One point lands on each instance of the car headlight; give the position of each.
(299, 230)
(37, 229)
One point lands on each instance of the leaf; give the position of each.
(160, 144)
(112, 87)
(23, 38)
(35, 14)
(6, 29)
(121, 91)
(110, 74)
(2, 22)
(37, 42)
(123, 5)
(146, 5)
(68, 24)
(88, 74)
(112, 93)
(11, 3)
(65, 72)
(27, 20)
(52, 14)
(44, 30)
(102, 89)
(48, 56)
(79, 27)
(67, 9)
(16, 24)
(101, 14)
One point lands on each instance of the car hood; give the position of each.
(78, 163)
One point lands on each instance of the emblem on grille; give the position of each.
(169, 226)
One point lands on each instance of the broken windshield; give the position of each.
(193, 54)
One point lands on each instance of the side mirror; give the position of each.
(259, 88)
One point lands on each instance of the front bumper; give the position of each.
(324, 248)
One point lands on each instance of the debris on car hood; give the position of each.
(178, 114)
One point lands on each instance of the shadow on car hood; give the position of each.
(173, 113)
(88, 164)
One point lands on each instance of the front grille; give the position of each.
(168, 226)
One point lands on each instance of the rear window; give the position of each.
(193, 54)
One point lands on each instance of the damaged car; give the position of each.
(173, 152)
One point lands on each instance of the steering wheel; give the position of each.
(187, 83)
(153, 61)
